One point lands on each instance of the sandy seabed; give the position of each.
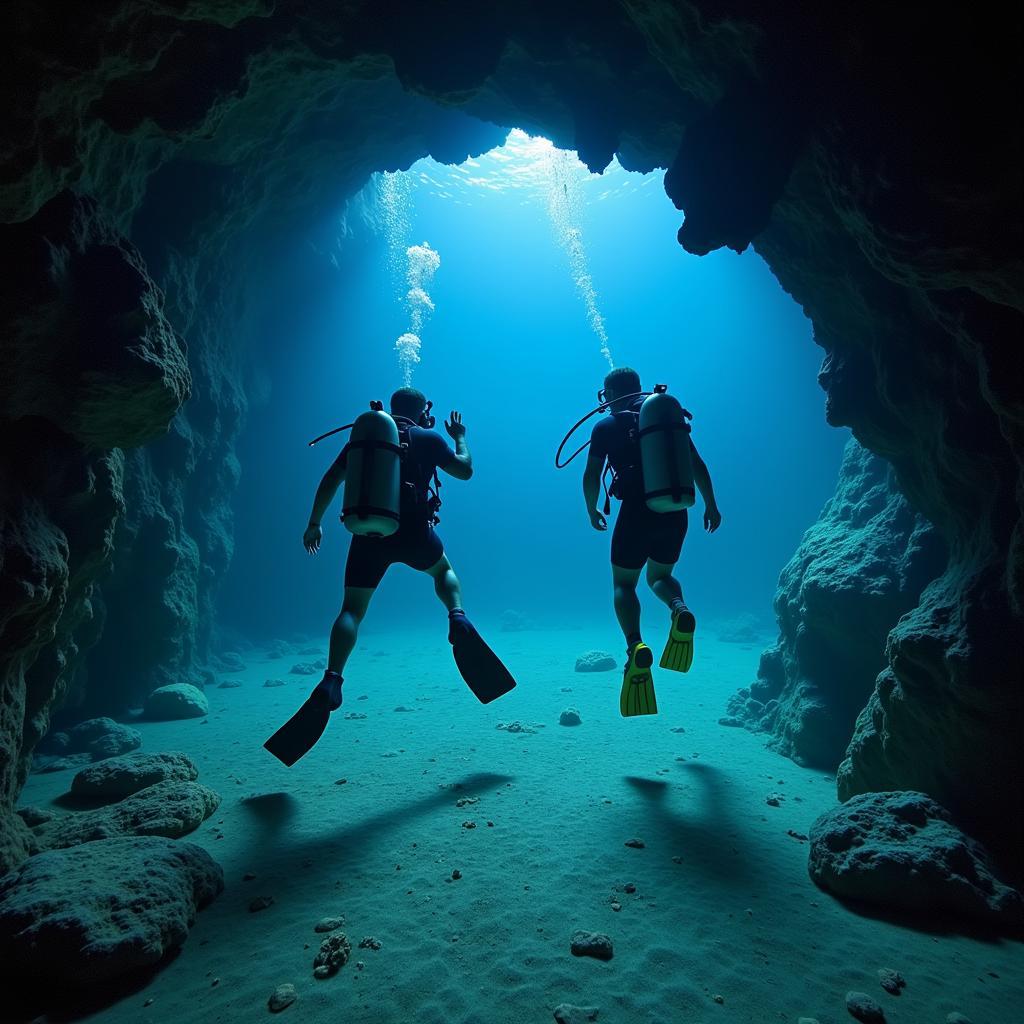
(724, 924)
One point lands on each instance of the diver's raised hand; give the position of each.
(312, 537)
(454, 425)
(597, 520)
(712, 518)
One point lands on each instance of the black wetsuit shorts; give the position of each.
(370, 557)
(641, 534)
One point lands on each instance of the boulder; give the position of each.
(97, 737)
(595, 661)
(903, 851)
(169, 809)
(176, 701)
(84, 916)
(119, 777)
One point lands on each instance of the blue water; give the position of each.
(509, 345)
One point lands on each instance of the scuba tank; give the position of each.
(663, 436)
(373, 497)
(373, 478)
(665, 462)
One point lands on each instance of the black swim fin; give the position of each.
(482, 669)
(299, 734)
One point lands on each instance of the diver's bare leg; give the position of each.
(664, 585)
(627, 604)
(446, 584)
(346, 626)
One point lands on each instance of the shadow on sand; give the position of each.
(707, 836)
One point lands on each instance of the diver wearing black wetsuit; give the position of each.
(642, 538)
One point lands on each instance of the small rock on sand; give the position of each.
(892, 981)
(328, 924)
(270, 683)
(863, 1008)
(402, 707)
(281, 998)
(593, 944)
(807, 1020)
(303, 668)
(333, 955)
(957, 1018)
(260, 903)
(570, 716)
(595, 661)
(566, 1013)
(229, 684)
(369, 942)
(636, 844)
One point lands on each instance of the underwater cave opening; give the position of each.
(541, 275)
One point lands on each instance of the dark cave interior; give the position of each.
(870, 154)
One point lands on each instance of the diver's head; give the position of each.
(620, 382)
(409, 403)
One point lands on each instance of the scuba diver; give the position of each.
(389, 468)
(645, 440)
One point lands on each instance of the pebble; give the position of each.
(402, 707)
(892, 981)
(957, 1018)
(469, 824)
(328, 924)
(718, 999)
(228, 684)
(282, 997)
(629, 887)
(465, 801)
(566, 1013)
(248, 876)
(616, 906)
(773, 800)
(340, 782)
(636, 844)
(369, 943)
(270, 683)
(862, 1007)
(456, 874)
(360, 965)
(678, 728)
(808, 1020)
(261, 903)
(594, 944)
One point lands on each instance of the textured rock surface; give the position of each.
(119, 777)
(169, 809)
(595, 661)
(83, 916)
(903, 850)
(860, 567)
(176, 701)
(214, 133)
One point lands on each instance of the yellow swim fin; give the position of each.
(637, 696)
(678, 653)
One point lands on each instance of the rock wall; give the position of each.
(860, 567)
(211, 133)
(96, 366)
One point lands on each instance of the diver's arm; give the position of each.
(702, 478)
(325, 493)
(592, 491)
(461, 467)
